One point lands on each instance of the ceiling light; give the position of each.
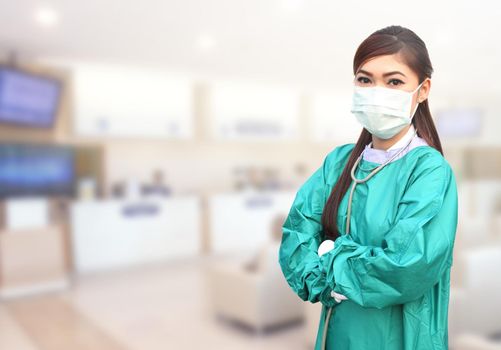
(46, 17)
(205, 42)
(292, 5)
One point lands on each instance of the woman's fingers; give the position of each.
(338, 297)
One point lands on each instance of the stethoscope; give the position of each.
(356, 181)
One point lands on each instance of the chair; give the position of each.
(260, 298)
(475, 306)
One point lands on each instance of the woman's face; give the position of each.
(390, 71)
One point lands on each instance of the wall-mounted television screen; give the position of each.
(36, 170)
(28, 99)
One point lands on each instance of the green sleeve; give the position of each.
(301, 236)
(415, 252)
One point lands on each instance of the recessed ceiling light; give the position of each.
(292, 5)
(205, 42)
(46, 17)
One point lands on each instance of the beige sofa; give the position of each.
(312, 312)
(475, 305)
(260, 298)
(474, 342)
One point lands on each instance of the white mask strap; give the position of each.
(419, 87)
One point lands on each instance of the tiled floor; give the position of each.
(147, 308)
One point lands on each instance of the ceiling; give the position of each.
(297, 41)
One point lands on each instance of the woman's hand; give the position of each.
(338, 297)
(325, 247)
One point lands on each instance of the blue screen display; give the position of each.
(36, 170)
(28, 99)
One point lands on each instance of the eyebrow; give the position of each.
(384, 75)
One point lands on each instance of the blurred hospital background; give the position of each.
(150, 151)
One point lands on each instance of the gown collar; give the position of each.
(380, 155)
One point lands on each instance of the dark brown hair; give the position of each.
(387, 41)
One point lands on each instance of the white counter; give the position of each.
(242, 221)
(115, 233)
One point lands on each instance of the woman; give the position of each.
(377, 251)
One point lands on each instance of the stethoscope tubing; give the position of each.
(347, 226)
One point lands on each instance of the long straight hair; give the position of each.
(387, 41)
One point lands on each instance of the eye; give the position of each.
(395, 82)
(363, 80)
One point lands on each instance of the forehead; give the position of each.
(387, 63)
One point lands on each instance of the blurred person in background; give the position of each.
(371, 232)
(157, 187)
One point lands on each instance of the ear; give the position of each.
(424, 90)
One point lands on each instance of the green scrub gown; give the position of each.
(394, 267)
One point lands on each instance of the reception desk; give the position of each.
(242, 221)
(115, 233)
